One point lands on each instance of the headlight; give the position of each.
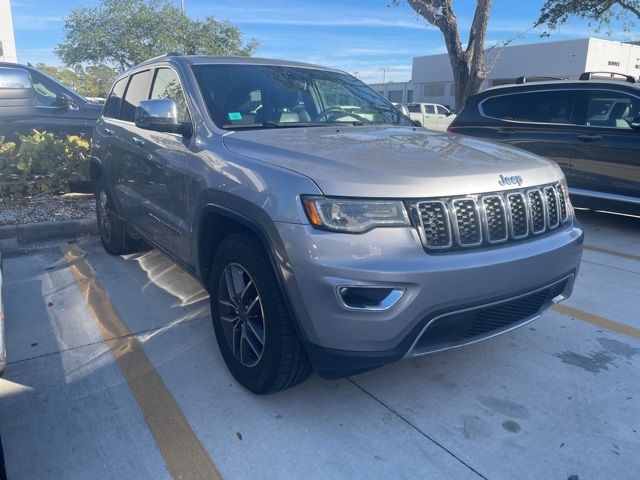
(354, 216)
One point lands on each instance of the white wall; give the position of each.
(567, 59)
(6, 33)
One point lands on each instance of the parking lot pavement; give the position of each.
(556, 398)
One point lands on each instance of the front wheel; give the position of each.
(252, 324)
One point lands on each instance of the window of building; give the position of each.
(433, 90)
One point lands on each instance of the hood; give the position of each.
(393, 162)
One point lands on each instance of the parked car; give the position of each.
(590, 127)
(431, 115)
(327, 239)
(58, 109)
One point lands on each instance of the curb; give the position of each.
(14, 237)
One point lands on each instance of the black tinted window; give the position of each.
(137, 91)
(536, 107)
(112, 106)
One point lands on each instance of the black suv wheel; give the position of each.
(113, 232)
(251, 321)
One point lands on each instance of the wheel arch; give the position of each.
(95, 171)
(218, 222)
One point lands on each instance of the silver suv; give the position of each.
(330, 232)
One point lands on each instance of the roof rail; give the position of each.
(605, 75)
(529, 79)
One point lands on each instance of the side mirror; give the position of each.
(17, 96)
(62, 101)
(161, 115)
(635, 124)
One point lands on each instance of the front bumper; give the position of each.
(444, 290)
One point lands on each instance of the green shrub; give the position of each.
(42, 164)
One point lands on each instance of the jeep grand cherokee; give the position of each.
(330, 232)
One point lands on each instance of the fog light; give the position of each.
(370, 298)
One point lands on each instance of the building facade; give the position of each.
(7, 41)
(432, 78)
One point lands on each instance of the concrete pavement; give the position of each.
(556, 398)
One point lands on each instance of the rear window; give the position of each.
(535, 107)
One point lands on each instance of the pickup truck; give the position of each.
(431, 115)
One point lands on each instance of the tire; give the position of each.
(113, 231)
(251, 321)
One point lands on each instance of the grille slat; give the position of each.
(475, 220)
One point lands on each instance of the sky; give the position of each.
(363, 37)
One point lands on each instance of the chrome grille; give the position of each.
(436, 225)
(467, 223)
(552, 207)
(495, 219)
(519, 218)
(537, 211)
(477, 220)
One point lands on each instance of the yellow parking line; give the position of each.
(181, 449)
(613, 252)
(598, 320)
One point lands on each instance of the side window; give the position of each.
(442, 110)
(46, 90)
(429, 109)
(137, 91)
(112, 106)
(167, 85)
(414, 108)
(612, 109)
(535, 107)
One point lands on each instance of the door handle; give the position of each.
(108, 131)
(589, 138)
(138, 141)
(504, 133)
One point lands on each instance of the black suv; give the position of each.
(590, 127)
(58, 109)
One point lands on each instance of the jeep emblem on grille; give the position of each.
(515, 180)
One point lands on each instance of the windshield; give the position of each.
(264, 96)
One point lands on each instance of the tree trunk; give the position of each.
(468, 65)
